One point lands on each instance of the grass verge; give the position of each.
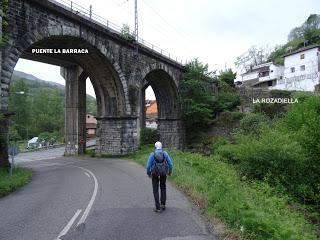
(19, 178)
(252, 210)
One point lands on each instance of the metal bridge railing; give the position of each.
(89, 15)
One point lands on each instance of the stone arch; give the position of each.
(165, 86)
(15, 50)
(117, 128)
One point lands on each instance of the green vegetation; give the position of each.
(265, 175)
(253, 210)
(9, 184)
(148, 136)
(306, 35)
(126, 33)
(285, 153)
(204, 95)
(39, 110)
(228, 76)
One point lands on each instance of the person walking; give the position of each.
(159, 165)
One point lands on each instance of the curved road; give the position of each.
(89, 199)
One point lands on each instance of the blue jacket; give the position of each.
(151, 162)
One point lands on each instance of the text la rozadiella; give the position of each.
(275, 100)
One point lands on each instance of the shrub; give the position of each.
(303, 121)
(273, 155)
(148, 136)
(273, 110)
(206, 144)
(252, 124)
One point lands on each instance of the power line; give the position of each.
(182, 34)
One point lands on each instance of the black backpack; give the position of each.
(160, 164)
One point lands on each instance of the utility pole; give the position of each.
(136, 27)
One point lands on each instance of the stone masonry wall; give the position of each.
(171, 133)
(116, 135)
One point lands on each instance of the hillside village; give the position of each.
(294, 66)
(300, 72)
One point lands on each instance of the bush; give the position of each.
(302, 122)
(273, 110)
(206, 144)
(148, 136)
(286, 154)
(252, 124)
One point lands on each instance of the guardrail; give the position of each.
(105, 23)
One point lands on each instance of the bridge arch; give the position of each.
(165, 86)
(71, 37)
(100, 65)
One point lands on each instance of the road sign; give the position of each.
(81, 141)
(13, 150)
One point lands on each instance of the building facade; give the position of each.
(263, 75)
(91, 126)
(300, 72)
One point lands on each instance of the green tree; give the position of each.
(197, 96)
(91, 105)
(227, 76)
(48, 111)
(19, 104)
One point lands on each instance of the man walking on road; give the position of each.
(159, 165)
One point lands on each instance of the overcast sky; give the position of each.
(214, 31)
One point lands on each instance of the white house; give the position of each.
(301, 70)
(263, 75)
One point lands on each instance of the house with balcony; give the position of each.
(300, 72)
(262, 76)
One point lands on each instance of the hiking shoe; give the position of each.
(157, 210)
(163, 207)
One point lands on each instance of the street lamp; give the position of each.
(23, 93)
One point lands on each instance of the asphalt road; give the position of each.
(107, 199)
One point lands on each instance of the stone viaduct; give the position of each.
(118, 75)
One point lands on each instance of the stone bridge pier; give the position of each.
(118, 74)
(75, 109)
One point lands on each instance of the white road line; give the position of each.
(94, 194)
(68, 226)
(87, 174)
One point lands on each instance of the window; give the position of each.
(263, 74)
(281, 77)
(302, 56)
(302, 67)
(269, 83)
(292, 70)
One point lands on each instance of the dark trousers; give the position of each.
(155, 186)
